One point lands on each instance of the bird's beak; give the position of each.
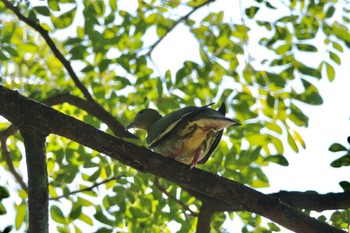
(130, 126)
(237, 123)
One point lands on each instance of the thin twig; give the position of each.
(12, 169)
(183, 18)
(172, 197)
(86, 189)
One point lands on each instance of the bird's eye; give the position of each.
(141, 112)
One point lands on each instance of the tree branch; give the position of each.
(43, 119)
(45, 34)
(38, 192)
(9, 163)
(314, 200)
(204, 219)
(172, 197)
(87, 188)
(183, 18)
(117, 128)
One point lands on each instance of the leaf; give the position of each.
(251, 11)
(57, 214)
(21, 211)
(53, 5)
(307, 47)
(334, 57)
(279, 159)
(99, 216)
(43, 10)
(75, 212)
(2, 209)
(330, 71)
(282, 49)
(342, 161)
(330, 11)
(335, 147)
(273, 227)
(292, 143)
(138, 212)
(345, 185)
(310, 71)
(4, 193)
(28, 47)
(64, 20)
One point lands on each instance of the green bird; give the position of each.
(189, 135)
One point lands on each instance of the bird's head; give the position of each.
(144, 119)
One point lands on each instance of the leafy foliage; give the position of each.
(111, 44)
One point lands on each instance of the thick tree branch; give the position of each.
(314, 200)
(38, 192)
(117, 128)
(43, 119)
(204, 219)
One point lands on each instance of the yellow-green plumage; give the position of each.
(189, 135)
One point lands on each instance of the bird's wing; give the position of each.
(165, 126)
(217, 140)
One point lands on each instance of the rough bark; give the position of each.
(43, 119)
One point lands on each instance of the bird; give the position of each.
(189, 135)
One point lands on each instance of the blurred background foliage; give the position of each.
(264, 68)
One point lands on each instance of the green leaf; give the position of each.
(138, 212)
(57, 214)
(99, 216)
(43, 10)
(2, 209)
(21, 211)
(28, 47)
(292, 143)
(86, 219)
(310, 95)
(330, 71)
(4, 193)
(53, 5)
(310, 71)
(64, 20)
(335, 147)
(342, 161)
(307, 47)
(75, 212)
(335, 57)
(13, 52)
(345, 185)
(282, 49)
(251, 11)
(273, 227)
(330, 11)
(279, 159)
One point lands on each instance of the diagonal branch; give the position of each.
(43, 119)
(87, 188)
(44, 33)
(118, 129)
(12, 169)
(93, 110)
(172, 197)
(183, 18)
